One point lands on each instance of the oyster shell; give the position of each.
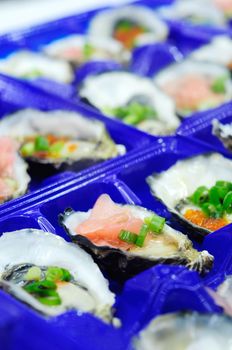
(87, 138)
(194, 11)
(79, 49)
(87, 291)
(186, 331)
(195, 86)
(212, 52)
(113, 90)
(31, 65)
(223, 132)
(154, 30)
(169, 247)
(174, 186)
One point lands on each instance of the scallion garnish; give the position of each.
(51, 300)
(28, 149)
(201, 195)
(41, 143)
(214, 201)
(33, 274)
(56, 274)
(56, 147)
(219, 85)
(134, 113)
(227, 202)
(155, 223)
(128, 237)
(43, 286)
(142, 235)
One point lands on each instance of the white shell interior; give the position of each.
(219, 51)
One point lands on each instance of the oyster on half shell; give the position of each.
(130, 25)
(175, 186)
(59, 140)
(121, 260)
(31, 259)
(133, 99)
(32, 65)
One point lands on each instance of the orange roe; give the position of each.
(127, 36)
(72, 148)
(198, 218)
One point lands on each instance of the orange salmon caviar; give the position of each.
(72, 148)
(197, 217)
(127, 37)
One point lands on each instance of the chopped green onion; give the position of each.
(214, 202)
(28, 149)
(134, 113)
(155, 223)
(40, 286)
(33, 274)
(211, 210)
(56, 274)
(88, 50)
(219, 85)
(227, 203)
(142, 235)
(132, 119)
(200, 196)
(224, 184)
(217, 194)
(41, 143)
(127, 236)
(56, 147)
(51, 300)
(32, 74)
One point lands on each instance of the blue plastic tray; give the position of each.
(158, 290)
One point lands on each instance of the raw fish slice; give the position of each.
(106, 221)
(191, 91)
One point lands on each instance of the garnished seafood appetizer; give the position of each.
(79, 143)
(198, 191)
(136, 101)
(33, 65)
(195, 86)
(130, 25)
(78, 49)
(52, 275)
(126, 239)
